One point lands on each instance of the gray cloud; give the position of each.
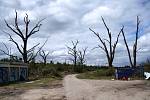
(68, 20)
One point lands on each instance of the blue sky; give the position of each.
(68, 20)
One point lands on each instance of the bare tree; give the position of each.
(81, 56)
(8, 53)
(33, 54)
(24, 35)
(73, 52)
(132, 62)
(110, 51)
(44, 56)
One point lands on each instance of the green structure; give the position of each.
(11, 72)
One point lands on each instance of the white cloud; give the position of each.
(143, 42)
(94, 16)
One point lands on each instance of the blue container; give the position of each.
(126, 72)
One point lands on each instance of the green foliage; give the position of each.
(146, 65)
(39, 70)
(102, 73)
(78, 69)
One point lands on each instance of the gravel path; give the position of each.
(77, 89)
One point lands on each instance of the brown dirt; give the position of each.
(77, 89)
(52, 91)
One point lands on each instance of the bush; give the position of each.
(105, 72)
(147, 67)
(101, 73)
(110, 72)
(39, 70)
(79, 69)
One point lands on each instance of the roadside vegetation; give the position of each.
(39, 83)
(102, 73)
(109, 73)
(146, 65)
(58, 70)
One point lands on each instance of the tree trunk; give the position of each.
(110, 63)
(25, 58)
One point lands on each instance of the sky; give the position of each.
(70, 20)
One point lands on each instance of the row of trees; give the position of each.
(78, 56)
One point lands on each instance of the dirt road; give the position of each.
(77, 89)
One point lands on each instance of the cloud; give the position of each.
(68, 20)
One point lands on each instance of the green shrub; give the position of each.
(101, 73)
(110, 72)
(147, 67)
(79, 69)
(104, 72)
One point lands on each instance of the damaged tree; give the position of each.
(73, 52)
(110, 51)
(81, 56)
(32, 55)
(44, 56)
(132, 61)
(9, 53)
(24, 35)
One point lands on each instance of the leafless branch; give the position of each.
(132, 62)
(81, 56)
(109, 54)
